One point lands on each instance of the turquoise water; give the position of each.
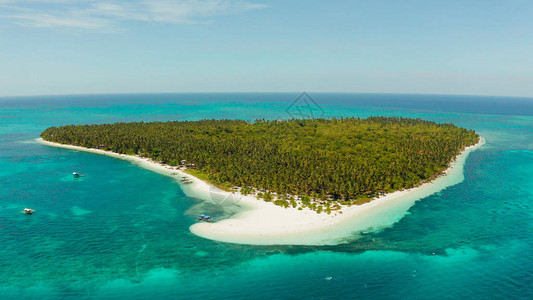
(122, 231)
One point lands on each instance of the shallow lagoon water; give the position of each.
(122, 231)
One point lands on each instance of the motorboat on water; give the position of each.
(28, 211)
(77, 175)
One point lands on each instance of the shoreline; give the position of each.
(263, 223)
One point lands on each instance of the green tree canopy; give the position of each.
(346, 158)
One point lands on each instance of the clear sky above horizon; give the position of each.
(410, 46)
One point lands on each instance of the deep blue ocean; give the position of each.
(122, 232)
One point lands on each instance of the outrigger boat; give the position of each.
(76, 175)
(186, 180)
(28, 211)
(205, 218)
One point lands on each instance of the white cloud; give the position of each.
(98, 15)
(46, 20)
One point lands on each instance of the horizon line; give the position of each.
(262, 92)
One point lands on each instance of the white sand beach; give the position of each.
(262, 223)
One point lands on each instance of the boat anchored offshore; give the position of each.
(205, 218)
(77, 175)
(28, 211)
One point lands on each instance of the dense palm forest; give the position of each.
(350, 159)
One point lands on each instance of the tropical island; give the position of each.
(318, 165)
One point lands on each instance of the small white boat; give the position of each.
(28, 211)
(77, 175)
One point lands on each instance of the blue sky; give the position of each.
(438, 47)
